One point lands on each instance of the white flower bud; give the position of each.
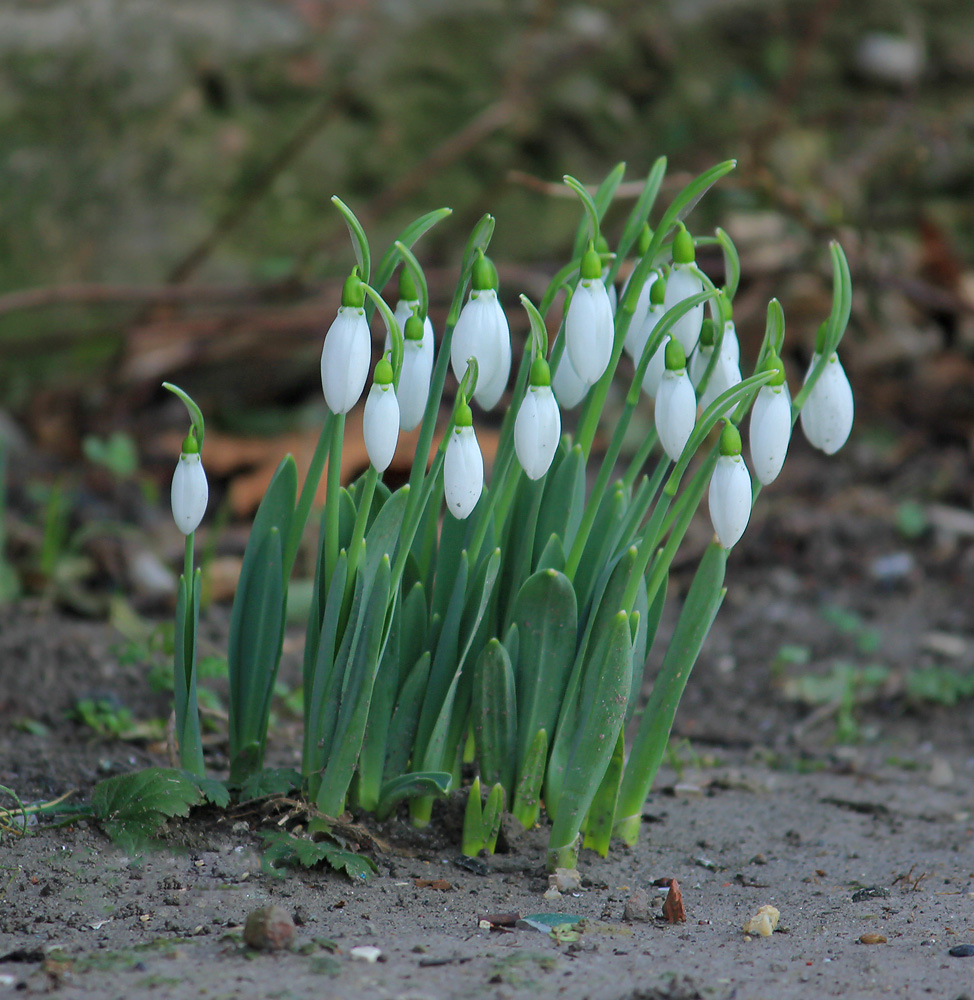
(676, 411)
(463, 472)
(345, 359)
(828, 412)
(639, 332)
(589, 330)
(537, 430)
(482, 332)
(770, 432)
(729, 499)
(569, 387)
(380, 424)
(190, 492)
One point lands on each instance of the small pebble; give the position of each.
(962, 951)
(366, 953)
(763, 922)
(872, 938)
(638, 907)
(565, 880)
(870, 892)
(269, 929)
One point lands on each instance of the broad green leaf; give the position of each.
(494, 714)
(408, 786)
(132, 807)
(405, 719)
(598, 823)
(285, 850)
(527, 795)
(563, 502)
(268, 783)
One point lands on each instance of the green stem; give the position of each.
(308, 492)
(188, 559)
(333, 494)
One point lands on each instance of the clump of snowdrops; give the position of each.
(507, 625)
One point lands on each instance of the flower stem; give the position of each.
(332, 496)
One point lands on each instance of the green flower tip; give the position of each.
(683, 252)
(407, 287)
(353, 294)
(730, 440)
(540, 372)
(414, 328)
(383, 372)
(190, 445)
(707, 330)
(657, 291)
(675, 356)
(591, 266)
(484, 273)
(820, 338)
(645, 238)
(773, 364)
(464, 417)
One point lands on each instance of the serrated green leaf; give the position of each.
(136, 805)
(284, 850)
(215, 792)
(269, 781)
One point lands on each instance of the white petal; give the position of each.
(828, 412)
(634, 345)
(770, 432)
(380, 425)
(345, 359)
(676, 412)
(404, 310)
(730, 346)
(698, 363)
(730, 499)
(569, 388)
(463, 472)
(654, 371)
(482, 332)
(189, 494)
(589, 330)
(414, 382)
(725, 375)
(537, 431)
(684, 281)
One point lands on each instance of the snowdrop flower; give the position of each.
(683, 282)
(676, 403)
(771, 424)
(588, 324)
(729, 497)
(828, 411)
(602, 248)
(190, 491)
(537, 428)
(417, 368)
(406, 305)
(641, 309)
(704, 352)
(347, 351)
(569, 387)
(463, 465)
(726, 375)
(482, 332)
(722, 315)
(654, 370)
(380, 424)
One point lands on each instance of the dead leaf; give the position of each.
(673, 908)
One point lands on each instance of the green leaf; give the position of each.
(639, 215)
(215, 792)
(409, 786)
(360, 242)
(285, 850)
(472, 839)
(269, 782)
(598, 823)
(132, 807)
(563, 502)
(494, 715)
(527, 795)
(412, 232)
(493, 812)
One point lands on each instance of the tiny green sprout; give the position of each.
(484, 273)
(730, 440)
(540, 372)
(407, 287)
(353, 294)
(645, 239)
(415, 327)
(772, 363)
(683, 250)
(464, 415)
(591, 266)
(675, 356)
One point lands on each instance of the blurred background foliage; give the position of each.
(166, 168)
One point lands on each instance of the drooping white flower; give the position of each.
(729, 497)
(190, 491)
(463, 466)
(569, 387)
(700, 358)
(770, 428)
(676, 403)
(404, 309)
(589, 324)
(683, 282)
(482, 332)
(417, 368)
(380, 423)
(726, 375)
(653, 375)
(537, 428)
(649, 309)
(347, 351)
(829, 409)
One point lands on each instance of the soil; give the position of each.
(850, 821)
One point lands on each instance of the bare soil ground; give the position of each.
(848, 806)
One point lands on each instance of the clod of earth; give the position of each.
(269, 928)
